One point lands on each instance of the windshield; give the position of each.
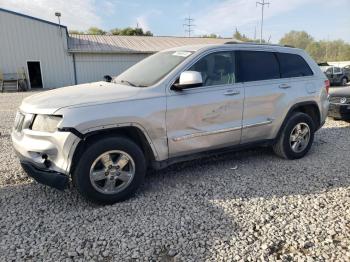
(152, 69)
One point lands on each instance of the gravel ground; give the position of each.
(245, 206)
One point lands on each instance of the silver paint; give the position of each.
(175, 123)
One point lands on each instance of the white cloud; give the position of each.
(76, 14)
(108, 7)
(142, 22)
(229, 14)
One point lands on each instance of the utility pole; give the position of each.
(262, 4)
(254, 33)
(189, 25)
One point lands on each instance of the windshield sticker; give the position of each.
(183, 54)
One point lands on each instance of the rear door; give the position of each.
(207, 117)
(273, 81)
(264, 93)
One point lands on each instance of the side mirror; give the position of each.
(188, 79)
(107, 78)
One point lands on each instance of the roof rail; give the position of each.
(254, 43)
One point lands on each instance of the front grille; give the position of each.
(339, 100)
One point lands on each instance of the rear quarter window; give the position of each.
(257, 65)
(293, 65)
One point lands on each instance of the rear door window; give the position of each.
(257, 65)
(293, 65)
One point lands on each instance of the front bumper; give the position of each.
(46, 177)
(339, 111)
(45, 151)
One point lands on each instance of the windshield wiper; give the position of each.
(127, 82)
(130, 83)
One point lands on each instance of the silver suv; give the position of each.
(173, 106)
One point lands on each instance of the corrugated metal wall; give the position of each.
(23, 39)
(92, 67)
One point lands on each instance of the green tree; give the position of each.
(299, 39)
(95, 31)
(210, 36)
(321, 51)
(130, 31)
(242, 37)
(316, 51)
(77, 32)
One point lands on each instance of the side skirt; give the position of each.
(165, 163)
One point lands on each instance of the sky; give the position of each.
(323, 19)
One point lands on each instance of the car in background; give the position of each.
(337, 75)
(346, 70)
(339, 107)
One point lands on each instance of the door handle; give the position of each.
(232, 92)
(284, 86)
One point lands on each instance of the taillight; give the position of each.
(327, 84)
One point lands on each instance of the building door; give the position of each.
(34, 71)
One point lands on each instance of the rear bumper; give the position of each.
(339, 111)
(46, 177)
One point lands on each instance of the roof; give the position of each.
(32, 18)
(133, 44)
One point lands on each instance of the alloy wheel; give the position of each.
(299, 137)
(112, 172)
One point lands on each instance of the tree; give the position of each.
(130, 31)
(210, 36)
(321, 51)
(299, 39)
(316, 51)
(239, 36)
(242, 37)
(95, 31)
(77, 32)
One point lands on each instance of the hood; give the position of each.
(86, 94)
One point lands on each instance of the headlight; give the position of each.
(46, 123)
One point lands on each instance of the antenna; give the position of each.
(58, 14)
(189, 24)
(262, 4)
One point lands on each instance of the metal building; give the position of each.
(99, 55)
(49, 57)
(36, 47)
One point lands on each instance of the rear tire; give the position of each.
(110, 170)
(296, 137)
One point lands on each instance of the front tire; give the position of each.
(296, 138)
(110, 170)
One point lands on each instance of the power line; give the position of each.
(189, 25)
(262, 4)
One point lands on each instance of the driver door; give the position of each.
(210, 116)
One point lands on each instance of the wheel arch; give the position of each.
(132, 132)
(308, 107)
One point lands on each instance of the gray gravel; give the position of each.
(245, 206)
